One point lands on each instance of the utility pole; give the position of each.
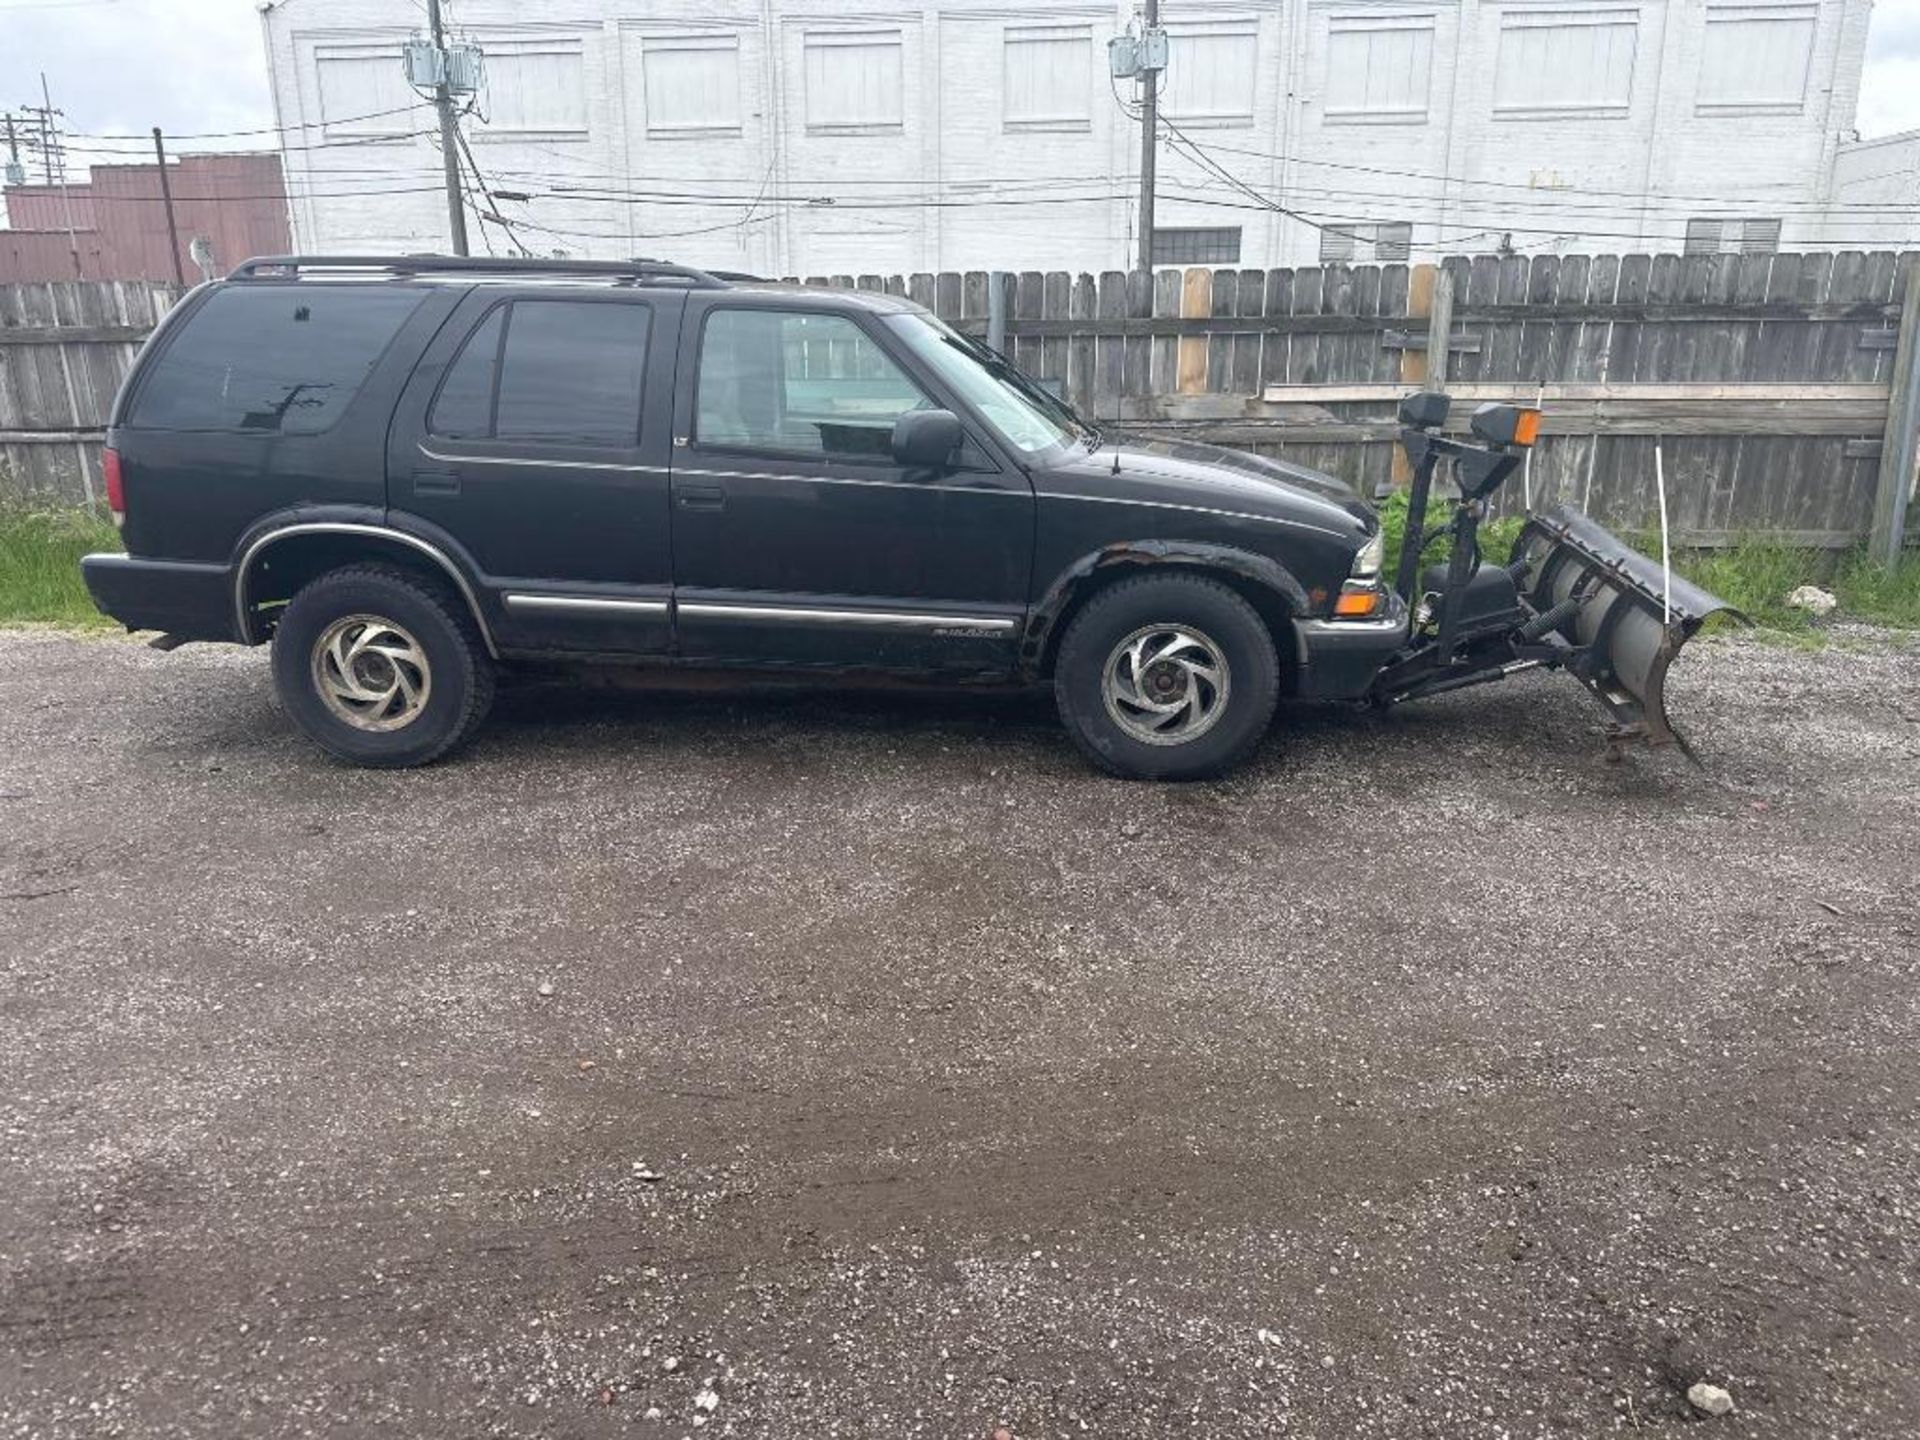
(1149, 128)
(166, 195)
(16, 172)
(449, 136)
(50, 151)
(44, 118)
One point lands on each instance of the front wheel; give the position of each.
(381, 668)
(1167, 677)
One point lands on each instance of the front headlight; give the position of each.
(1372, 556)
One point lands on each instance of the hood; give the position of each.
(1211, 475)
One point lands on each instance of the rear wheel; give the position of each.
(381, 668)
(1167, 677)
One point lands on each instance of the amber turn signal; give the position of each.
(1526, 427)
(1357, 604)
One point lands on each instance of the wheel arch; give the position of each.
(1276, 596)
(295, 551)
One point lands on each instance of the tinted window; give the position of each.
(801, 381)
(570, 373)
(464, 408)
(281, 358)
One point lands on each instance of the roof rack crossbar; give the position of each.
(278, 266)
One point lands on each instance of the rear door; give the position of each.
(534, 435)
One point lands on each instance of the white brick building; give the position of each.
(1876, 192)
(847, 136)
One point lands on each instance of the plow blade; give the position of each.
(1624, 619)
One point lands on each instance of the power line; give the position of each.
(803, 190)
(1461, 180)
(1326, 225)
(1477, 209)
(492, 212)
(1252, 201)
(260, 130)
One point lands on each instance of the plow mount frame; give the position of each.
(1574, 598)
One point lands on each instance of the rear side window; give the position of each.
(287, 359)
(568, 372)
(464, 408)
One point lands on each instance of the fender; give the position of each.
(1269, 575)
(368, 521)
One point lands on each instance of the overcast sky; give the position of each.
(194, 66)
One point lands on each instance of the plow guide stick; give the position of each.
(1666, 547)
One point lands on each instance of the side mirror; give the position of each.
(926, 439)
(1425, 409)
(1506, 425)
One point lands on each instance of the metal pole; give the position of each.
(46, 141)
(997, 311)
(166, 195)
(1900, 446)
(1149, 126)
(449, 141)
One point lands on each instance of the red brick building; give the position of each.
(238, 202)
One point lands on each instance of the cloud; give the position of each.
(1890, 97)
(1895, 31)
(119, 67)
(1890, 85)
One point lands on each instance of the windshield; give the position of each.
(1026, 416)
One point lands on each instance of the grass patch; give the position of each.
(40, 554)
(1756, 576)
(1884, 597)
(1496, 536)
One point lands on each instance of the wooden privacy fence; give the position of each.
(1765, 378)
(64, 348)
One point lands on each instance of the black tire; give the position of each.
(458, 671)
(1219, 616)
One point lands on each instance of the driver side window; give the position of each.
(798, 381)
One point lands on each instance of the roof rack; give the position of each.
(279, 267)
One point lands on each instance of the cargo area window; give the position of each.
(555, 371)
(810, 383)
(284, 359)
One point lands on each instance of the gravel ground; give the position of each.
(857, 1064)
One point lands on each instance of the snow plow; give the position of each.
(1574, 597)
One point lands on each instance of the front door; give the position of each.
(798, 538)
(535, 435)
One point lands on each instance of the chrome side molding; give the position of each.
(562, 604)
(875, 619)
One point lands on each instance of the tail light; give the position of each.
(116, 491)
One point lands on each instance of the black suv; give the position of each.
(407, 472)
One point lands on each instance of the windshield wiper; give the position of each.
(1033, 390)
(1042, 398)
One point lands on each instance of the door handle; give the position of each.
(435, 482)
(700, 494)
